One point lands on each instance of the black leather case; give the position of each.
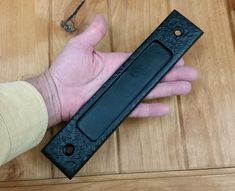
(74, 145)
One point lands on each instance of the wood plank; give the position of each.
(105, 160)
(193, 180)
(208, 113)
(115, 177)
(154, 143)
(24, 53)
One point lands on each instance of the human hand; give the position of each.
(79, 71)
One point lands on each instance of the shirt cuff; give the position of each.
(23, 119)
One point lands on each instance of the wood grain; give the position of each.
(145, 144)
(24, 53)
(231, 16)
(232, 2)
(208, 113)
(105, 160)
(203, 180)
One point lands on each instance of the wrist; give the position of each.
(47, 88)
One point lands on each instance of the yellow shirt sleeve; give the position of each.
(23, 119)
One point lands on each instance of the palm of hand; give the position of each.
(79, 71)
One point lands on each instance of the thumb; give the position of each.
(93, 34)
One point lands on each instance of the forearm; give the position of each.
(47, 88)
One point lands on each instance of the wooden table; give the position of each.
(191, 149)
